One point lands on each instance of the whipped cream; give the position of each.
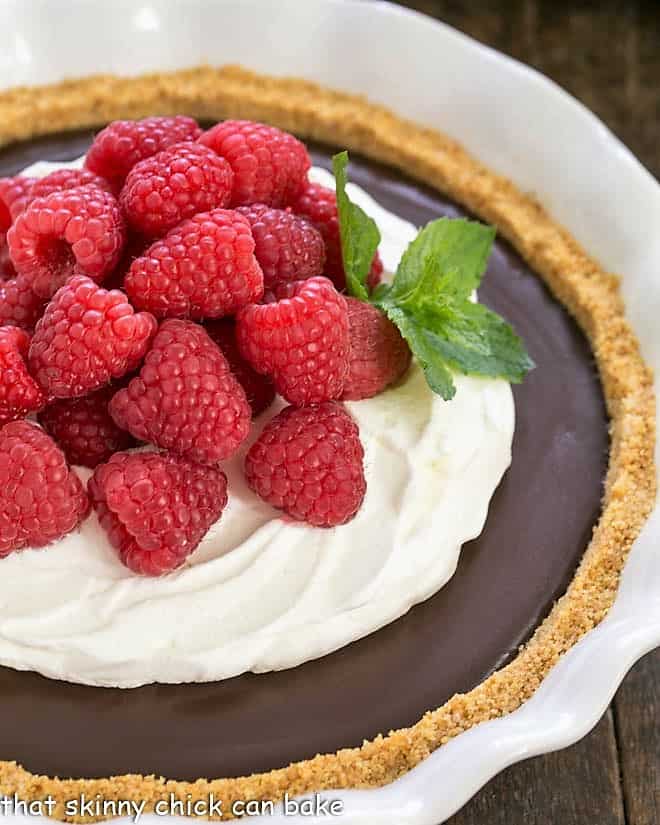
(261, 592)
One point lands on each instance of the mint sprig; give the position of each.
(359, 234)
(429, 297)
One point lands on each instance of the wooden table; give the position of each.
(607, 54)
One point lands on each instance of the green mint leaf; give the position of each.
(444, 263)
(424, 348)
(429, 297)
(359, 234)
(429, 300)
(474, 340)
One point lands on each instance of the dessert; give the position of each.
(174, 389)
(582, 441)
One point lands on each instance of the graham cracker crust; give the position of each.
(590, 294)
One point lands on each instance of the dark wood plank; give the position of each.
(576, 786)
(637, 722)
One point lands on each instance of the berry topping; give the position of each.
(41, 499)
(185, 398)
(136, 246)
(375, 275)
(156, 508)
(379, 355)
(301, 340)
(204, 268)
(309, 463)
(86, 337)
(19, 305)
(123, 143)
(84, 428)
(173, 185)
(75, 231)
(7, 271)
(259, 389)
(319, 205)
(14, 196)
(62, 179)
(287, 247)
(19, 394)
(269, 165)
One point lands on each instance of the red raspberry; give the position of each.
(62, 179)
(204, 268)
(287, 247)
(173, 185)
(375, 273)
(76, 231)
(269, 165)
(185, 398)
(7, 271)
(259, 389)
(156, 508)
(301, 340)
(309, 463)
(136, 246)
(41, 499)
(319, 205)
(14, 196)
(19, 305)
(84, 429)
(19, 394)
(122, 144)
(87, 337)
(379, 355)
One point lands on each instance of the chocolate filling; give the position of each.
(540, 521)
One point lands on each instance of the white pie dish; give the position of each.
(522, 126)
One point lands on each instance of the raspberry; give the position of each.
(287, 247)
(19, 305)
(301, 340)
(156, 508)
(309, 463)
(41, 499)
(123, 143)
(136, 246)
(76, 231)
(19, 394)
(87, 337)
(7, 271)
(185, 398)
(379, 355)
(84, 429)
(14, 196)
(204, 268)
(173, 185)
(375, 275)
(259, 389)
(269, 165)
(319, 205)
(62, 179)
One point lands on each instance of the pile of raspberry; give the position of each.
(163, 295)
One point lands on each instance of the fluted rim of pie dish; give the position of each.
(589, 293)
